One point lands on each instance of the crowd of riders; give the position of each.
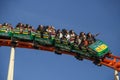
(25, 28)
(66, 37)
(60, 36)
(20, 26)
(7, 27)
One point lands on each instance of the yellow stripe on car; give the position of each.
(101, 48)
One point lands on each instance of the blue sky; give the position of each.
(95, 16)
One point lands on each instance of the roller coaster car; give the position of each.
(25, 35)
(63, 47)
(100, 49)
(59, 48)
(95, 51)
(45, 41)
(5, 32)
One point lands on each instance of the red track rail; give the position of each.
(109, 61)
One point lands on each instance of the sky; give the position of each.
(95, 16)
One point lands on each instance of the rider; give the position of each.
(48, 29)
(10, 28)
(31, 30)
(64, 40)
(53, 33)
(40, 30)
(90, 38)
(46, 33)
(59, 34)
(25, 30)
(77, 42)
(67, 35)
(5, 27)
(82, 36)
(84, 45)
(19, 28)
(72, 36)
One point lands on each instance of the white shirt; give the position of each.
(60, 35)
(67, 36)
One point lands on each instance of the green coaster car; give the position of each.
(43, 41)
(63, 47)
(24, 36)
(96, 50)
(99, 48)
(81, 52)
(5, 32)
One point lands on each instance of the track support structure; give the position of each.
(116, 75)
(11, 65)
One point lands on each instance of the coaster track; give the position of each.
(110, 60)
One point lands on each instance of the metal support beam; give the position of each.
(11, 65)
(116, 74)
